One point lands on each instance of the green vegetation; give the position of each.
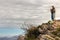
(57, 32)
(32, 33)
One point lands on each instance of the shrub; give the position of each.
(32, 33)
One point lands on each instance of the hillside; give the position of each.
(46, 31)
(9, 38)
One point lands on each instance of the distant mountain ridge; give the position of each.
(9, 38)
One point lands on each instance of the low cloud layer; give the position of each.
(15, 12)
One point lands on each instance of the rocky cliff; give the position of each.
(46, 31)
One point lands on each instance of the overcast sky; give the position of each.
(13, 13)
(17, 10)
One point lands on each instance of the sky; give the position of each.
(13, 14)
(11, 32)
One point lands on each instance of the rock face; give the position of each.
(46, 37)
(46, 31)
(51, 27)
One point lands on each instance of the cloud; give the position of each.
(19, 11)
(20, 8)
